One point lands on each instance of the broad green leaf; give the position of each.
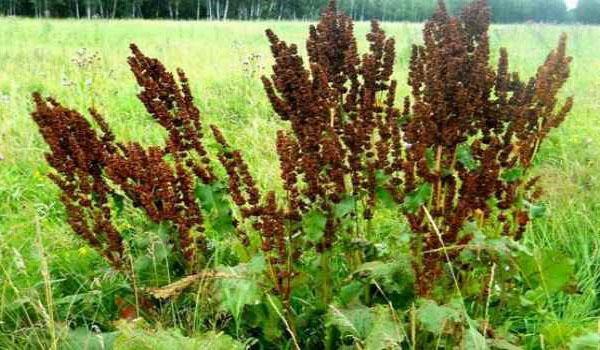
(384, 198)
(223, 224)
(264, 317)
(356, 322)
(436, 318)
(204, 195)
(512, 175)
(350, 292)
(373, 328)
(130, 338)
(213, 200)
(242, 288)
(313, 225)
(345, 207)
(386, 332)
(394, 278)
(381, 178)
(414, 200)
(209, 196)
(548, 269)
(82, 338)
(473, 340)
(537, 210)
(464, 156)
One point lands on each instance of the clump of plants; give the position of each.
(473, 132)
(309, 268)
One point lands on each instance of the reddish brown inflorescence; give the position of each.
(90, 168)
(78, 155)
(344, 126)
(472, 132)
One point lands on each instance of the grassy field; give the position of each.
(48, 279)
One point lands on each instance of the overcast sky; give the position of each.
(571, 4)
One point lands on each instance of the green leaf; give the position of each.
(473, 340)
(130, 338)
(384, 198)
(381, 178)
(345, 207)
(355, 322)
(313, 225)
(588, 341)
(212, 196)
(223, 224)
(414, 200)
(512, 175)
(373, 328)
(241, 289)
(464, 156)
(350, 292)
(119, 202)
(386, 333)
(214, 202)
(537, 210)
(395, 279)
(435, 318)
(547, 268)
(82, 338)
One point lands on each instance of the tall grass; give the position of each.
(44, 269)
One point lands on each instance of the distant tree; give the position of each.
(549, 11)
(386, 10)
(588, 11)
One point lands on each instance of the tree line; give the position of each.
(504, 11)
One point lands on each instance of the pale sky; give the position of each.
(571, 4)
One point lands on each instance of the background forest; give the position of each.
(504, 11)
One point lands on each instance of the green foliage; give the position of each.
(417, 198)
(215, 204)
(371, 328)
(512, 175)
(313, 225)
(438, 319)
(549, 270)
(464, 156)
(136, 338)
(240, 288)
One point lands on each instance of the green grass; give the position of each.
(36, 307)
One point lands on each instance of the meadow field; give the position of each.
(54, 289)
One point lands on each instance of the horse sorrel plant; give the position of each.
(344, 135)
(473, 133)
(96, 174)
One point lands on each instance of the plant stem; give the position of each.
(326, 277)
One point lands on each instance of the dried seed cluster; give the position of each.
(78, 155)
(471, 127)
(343, 121)
(91, 167)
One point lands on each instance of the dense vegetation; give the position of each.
(386, 10)
(359, 263)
